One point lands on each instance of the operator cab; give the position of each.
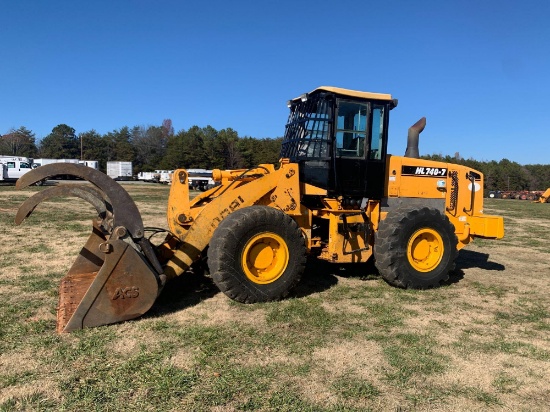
(339, 137)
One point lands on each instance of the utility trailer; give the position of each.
(94, 164)
(49, 161)
(117, 170)
(153, 177)
(165, 176)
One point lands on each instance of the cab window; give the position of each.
(351, 129)
(375, 150)
(11, 165)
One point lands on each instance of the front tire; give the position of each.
(257, 254)
(415, 248)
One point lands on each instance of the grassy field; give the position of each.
(344, 341)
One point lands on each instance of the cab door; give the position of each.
(360, 148)
(17, 168)
(350, 147)
(375, 179)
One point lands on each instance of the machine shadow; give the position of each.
(185, 291)
(471, 259)
(194, 287)
(321, 275)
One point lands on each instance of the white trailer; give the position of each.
(13, 167)
(94, 164)
(119, 170)
(148, 177)
(46, 161)
(165, 176)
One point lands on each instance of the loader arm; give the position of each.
(194, 222)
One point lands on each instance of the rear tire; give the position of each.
(415, 248)
(257, 254)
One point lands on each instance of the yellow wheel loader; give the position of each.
(545, 197)
(336, 194)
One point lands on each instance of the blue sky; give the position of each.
(478, 70)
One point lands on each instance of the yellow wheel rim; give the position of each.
(265, 258)
(425, 250)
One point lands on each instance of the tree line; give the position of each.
(148, 148)
(159, 147)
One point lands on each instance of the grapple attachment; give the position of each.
(116, 276)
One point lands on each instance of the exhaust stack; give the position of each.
(413, 138)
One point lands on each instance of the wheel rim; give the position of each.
(265, 258)
(425, 250)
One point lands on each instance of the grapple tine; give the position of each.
(128, 215)
(91, 195)
(117, 275)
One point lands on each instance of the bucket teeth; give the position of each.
(124, 288)
(71, 291)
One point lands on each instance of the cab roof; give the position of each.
(350, 93)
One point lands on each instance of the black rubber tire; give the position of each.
(229, 242)
(391, 244)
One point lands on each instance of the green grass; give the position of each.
(353, 387)
(346, 341)
(412, 356)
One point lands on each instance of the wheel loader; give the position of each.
(335, 194)
(545, 197)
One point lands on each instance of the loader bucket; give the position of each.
(116, 276)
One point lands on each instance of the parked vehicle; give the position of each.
(47, 161)
(153, 177)
(94, 164)
(119, 170)
(200, 179)
(13, 167)
(165, 176)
